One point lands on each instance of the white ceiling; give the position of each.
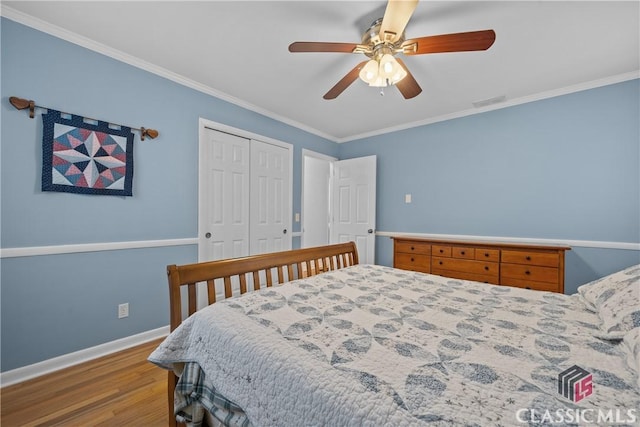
(237, 50)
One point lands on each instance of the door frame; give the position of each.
(206, 123)
(316, 155)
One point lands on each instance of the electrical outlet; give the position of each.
(123, 310)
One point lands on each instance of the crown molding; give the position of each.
(61, 33)
(506, 104)
(87, 43)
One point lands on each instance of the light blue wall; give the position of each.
(562, 168)
(53, 305)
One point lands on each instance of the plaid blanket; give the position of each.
(192, 397)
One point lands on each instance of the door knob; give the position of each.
(208, 235)
(370, 231)
(284, 231)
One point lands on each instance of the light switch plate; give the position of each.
(407, 198)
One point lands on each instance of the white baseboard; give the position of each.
(25, 373)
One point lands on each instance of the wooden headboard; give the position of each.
(256, 271)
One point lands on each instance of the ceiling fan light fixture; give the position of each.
(391, 70)
(388, 65)
(369, 73)
(382, 71)
(379, 82)
(400, 74)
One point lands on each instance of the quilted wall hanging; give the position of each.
(80, 157)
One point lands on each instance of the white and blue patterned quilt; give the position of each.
(372, 345)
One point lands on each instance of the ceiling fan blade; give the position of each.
(322, 47)
(395, 19)
(408, 87)
(457, 42)
(345, 82)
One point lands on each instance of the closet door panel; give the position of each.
(269, 198)
(224, 208)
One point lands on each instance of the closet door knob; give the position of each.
(284, 231)
(208, 235)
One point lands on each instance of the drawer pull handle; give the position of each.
(441, 251)
(462, 253)
(412, 259)
(528, 258)
(527, 287)
(486, 254)
(527, 272)
(412, 248)
(440, 262)
(486, 267)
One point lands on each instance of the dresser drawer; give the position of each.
(415, 262)
(529, 284)
(463, 252)
(492, 255)
(465, 275)
(532, 273)
(469, 266)
(413, 247)
(439, 250)
(547, 259)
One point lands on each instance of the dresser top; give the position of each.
(484, 243)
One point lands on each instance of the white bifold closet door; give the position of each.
(269, 193)
(244, 197)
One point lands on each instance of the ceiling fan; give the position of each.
(384, 40)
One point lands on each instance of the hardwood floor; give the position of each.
(121, 389)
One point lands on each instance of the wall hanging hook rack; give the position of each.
(23, 104)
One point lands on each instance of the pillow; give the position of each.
(596, 293)
(631, 350)
(617, 303)
(615, 324)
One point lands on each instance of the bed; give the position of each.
(327, 341)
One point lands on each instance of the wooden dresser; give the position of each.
(539, 267)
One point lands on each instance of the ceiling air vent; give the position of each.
(490, 101)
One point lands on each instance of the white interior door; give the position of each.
(316, 201)
(354, 205)
(269, 208)
(223, 219)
